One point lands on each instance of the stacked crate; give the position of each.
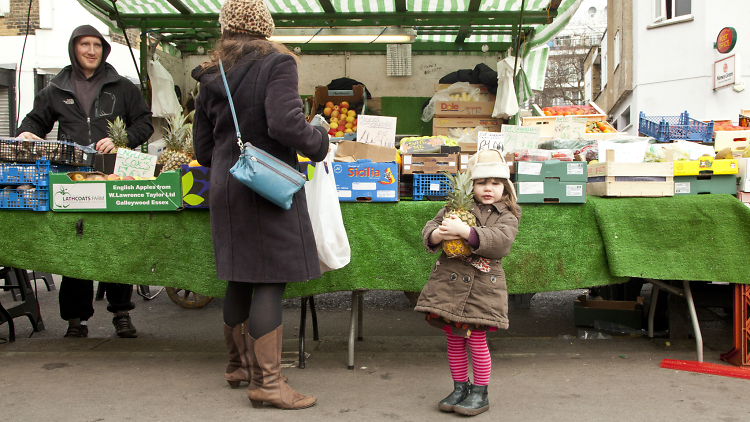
(26, 186)
(705, 175)
(551, 181)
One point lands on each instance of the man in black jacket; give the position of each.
(82, 98)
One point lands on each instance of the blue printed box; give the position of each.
(366, 181)
(195, 182)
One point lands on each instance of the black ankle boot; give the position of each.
(460, 390)
(476, 402)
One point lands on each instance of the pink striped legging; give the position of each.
(481, 363)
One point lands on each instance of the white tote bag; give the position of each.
(325, 215)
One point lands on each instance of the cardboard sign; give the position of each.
(568, 127)
(376, 130)
(520, 137)
(490, 140)
(134, 163)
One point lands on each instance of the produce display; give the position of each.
(599, 127)
(727, 125)
(465, 96)
(178, 139)
(342, 119)
(460, 201)
(98, 176)
(573, 110)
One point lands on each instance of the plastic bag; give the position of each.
(325, 214)
(472, 94)
(164, 101)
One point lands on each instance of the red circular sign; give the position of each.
(726, 68)
(726, 40)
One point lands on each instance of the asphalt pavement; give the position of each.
(543, 368)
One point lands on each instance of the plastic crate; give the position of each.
(670, 128)
(430, 185)
(36, 174)
(13, 150)
(36, 199)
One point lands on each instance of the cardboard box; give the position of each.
(195, 183)
(702, 184)
(482, 88)
(737, 140)
(354, 97)
(547, 123)
(464, 108)
(630, 179)
(550, 191)
(626, 313)
(430, 163)
(161, 194)
(444, 124)
(421, 144)
(705, 166)
(351, 151)
(366, 181)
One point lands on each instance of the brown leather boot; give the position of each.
(239, 367)
(269, 387)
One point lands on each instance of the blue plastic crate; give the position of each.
(670, 128)
(432, 185)
(36, 199)
(36, 174)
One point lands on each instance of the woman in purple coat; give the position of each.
(258, 246)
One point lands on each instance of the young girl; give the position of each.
(466, 297)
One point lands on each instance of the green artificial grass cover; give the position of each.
(559, 246)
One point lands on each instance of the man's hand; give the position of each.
(28, 135)
(105, 145)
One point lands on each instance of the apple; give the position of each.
(113, 177)
(349, 119)
(351, 113)
(339, 134)
(335, 113)
(354, 128)
(99, 177)
(128, 178)
(78, 177)
(336, 108)
(329, 104)
(334, 125)
(343, 111)
(344, 104)
(332, 132)
(348, 125)
(327, 111)
(334, 119)
(348, 130)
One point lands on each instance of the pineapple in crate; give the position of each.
(178, 140)
(117, 133)
(460, 202)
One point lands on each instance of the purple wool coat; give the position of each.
(254, 240)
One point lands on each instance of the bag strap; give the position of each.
(231, 105)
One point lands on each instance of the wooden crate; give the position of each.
(547, 123)
(737, 140)
(630, 179)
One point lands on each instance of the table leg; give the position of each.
(694, 319)
(652, 310)
(352, 329)
(302, 323)
(360, 310)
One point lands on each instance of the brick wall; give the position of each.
(134, 36)
(14, 22)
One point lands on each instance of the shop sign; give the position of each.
(724, 72)
(726, 40)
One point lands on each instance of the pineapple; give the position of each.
(460, 202)
(178, 138)
(118, 135)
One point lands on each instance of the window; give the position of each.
(616, 53)
(670, 9)
(604, 62)
(625, 118)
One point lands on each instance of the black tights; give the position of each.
(260, 302)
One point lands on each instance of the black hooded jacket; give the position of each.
(113, 96)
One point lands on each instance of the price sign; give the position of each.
(568, 127)
(134, 163)
(490, 140)
(520, 137)
(376, 130)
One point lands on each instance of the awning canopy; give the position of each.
(440, 25)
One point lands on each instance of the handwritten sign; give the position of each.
(134, 163)
(490, 140)
(568, 127)
(376, 130)
(520, 137)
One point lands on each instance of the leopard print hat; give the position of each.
(246, 16)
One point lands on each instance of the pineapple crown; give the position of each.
(117, 132)
(178, 135)
(460, 191)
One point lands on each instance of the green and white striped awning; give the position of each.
(441, 25)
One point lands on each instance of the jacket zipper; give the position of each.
(88, 124)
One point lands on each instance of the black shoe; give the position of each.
(124, 327)
(476, 402)
(460, 390)
(81, 331)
